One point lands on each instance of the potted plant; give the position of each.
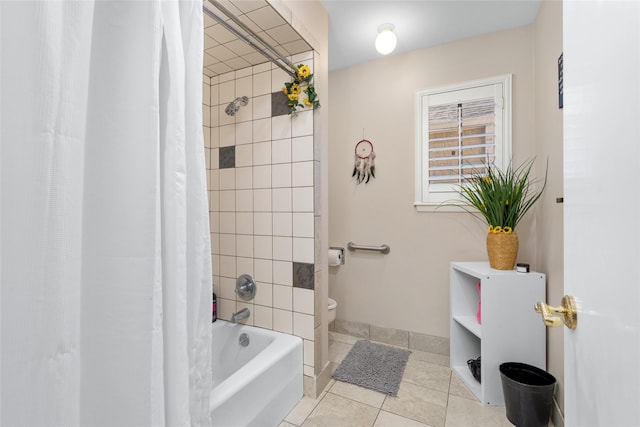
(502, 198)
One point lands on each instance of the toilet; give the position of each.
(332, 309)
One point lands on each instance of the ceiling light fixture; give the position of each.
(386, 40)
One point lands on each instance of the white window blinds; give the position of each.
(462, 130)
(461, 139)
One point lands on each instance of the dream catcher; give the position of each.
(365, 167)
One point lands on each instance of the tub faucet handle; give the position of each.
(246, 287)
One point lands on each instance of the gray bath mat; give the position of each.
(374, 366)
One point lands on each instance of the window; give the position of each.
(461, 129)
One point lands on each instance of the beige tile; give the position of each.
(387, 419)
(347, 339)
(263, 317)
(392, 336)
(356, 329)
(359, 394)
(328, 386)
(418, 403)
(311, 388)
(338, 351)
(282, 297)
(303, 300)
(312, 385)
(457, 388)
(283, 321)
(303, 326)
(308, 352)
(302, 410)
(318, 351)
(337, 411)
(427, 375)
(429, 343)
(438, 359)
(286, 424)
(466, 413)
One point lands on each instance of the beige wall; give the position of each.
(548, 47)
(409, 288)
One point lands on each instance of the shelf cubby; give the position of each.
(511, 331)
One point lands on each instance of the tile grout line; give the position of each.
(377, 414)
(447, 392)
(388, 396)
(322, 396)
(446, 407)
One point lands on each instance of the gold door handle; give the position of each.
(568, 313)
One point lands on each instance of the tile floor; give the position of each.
(429, 395)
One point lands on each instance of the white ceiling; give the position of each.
(353, 24)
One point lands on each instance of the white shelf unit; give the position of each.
(511, 331)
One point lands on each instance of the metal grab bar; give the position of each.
(384, 249)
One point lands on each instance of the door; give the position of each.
(602, 211)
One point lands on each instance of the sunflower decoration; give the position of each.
(301, 84)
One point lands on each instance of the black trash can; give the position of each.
(528, 394)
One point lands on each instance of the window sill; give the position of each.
(437, 207)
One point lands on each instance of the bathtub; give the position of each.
(256, 385)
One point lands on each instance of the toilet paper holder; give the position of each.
(340, 255)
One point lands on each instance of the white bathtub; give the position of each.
(256, 385)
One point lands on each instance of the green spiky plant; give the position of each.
(501, 197)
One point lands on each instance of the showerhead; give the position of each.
(235, 105)
(231, 109)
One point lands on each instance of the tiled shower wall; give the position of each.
(261, 166)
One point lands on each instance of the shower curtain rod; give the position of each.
(270, 53)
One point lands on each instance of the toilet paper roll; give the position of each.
(335, 257)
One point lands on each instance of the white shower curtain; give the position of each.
(104, 236)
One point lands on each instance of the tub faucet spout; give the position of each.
(242, 314)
